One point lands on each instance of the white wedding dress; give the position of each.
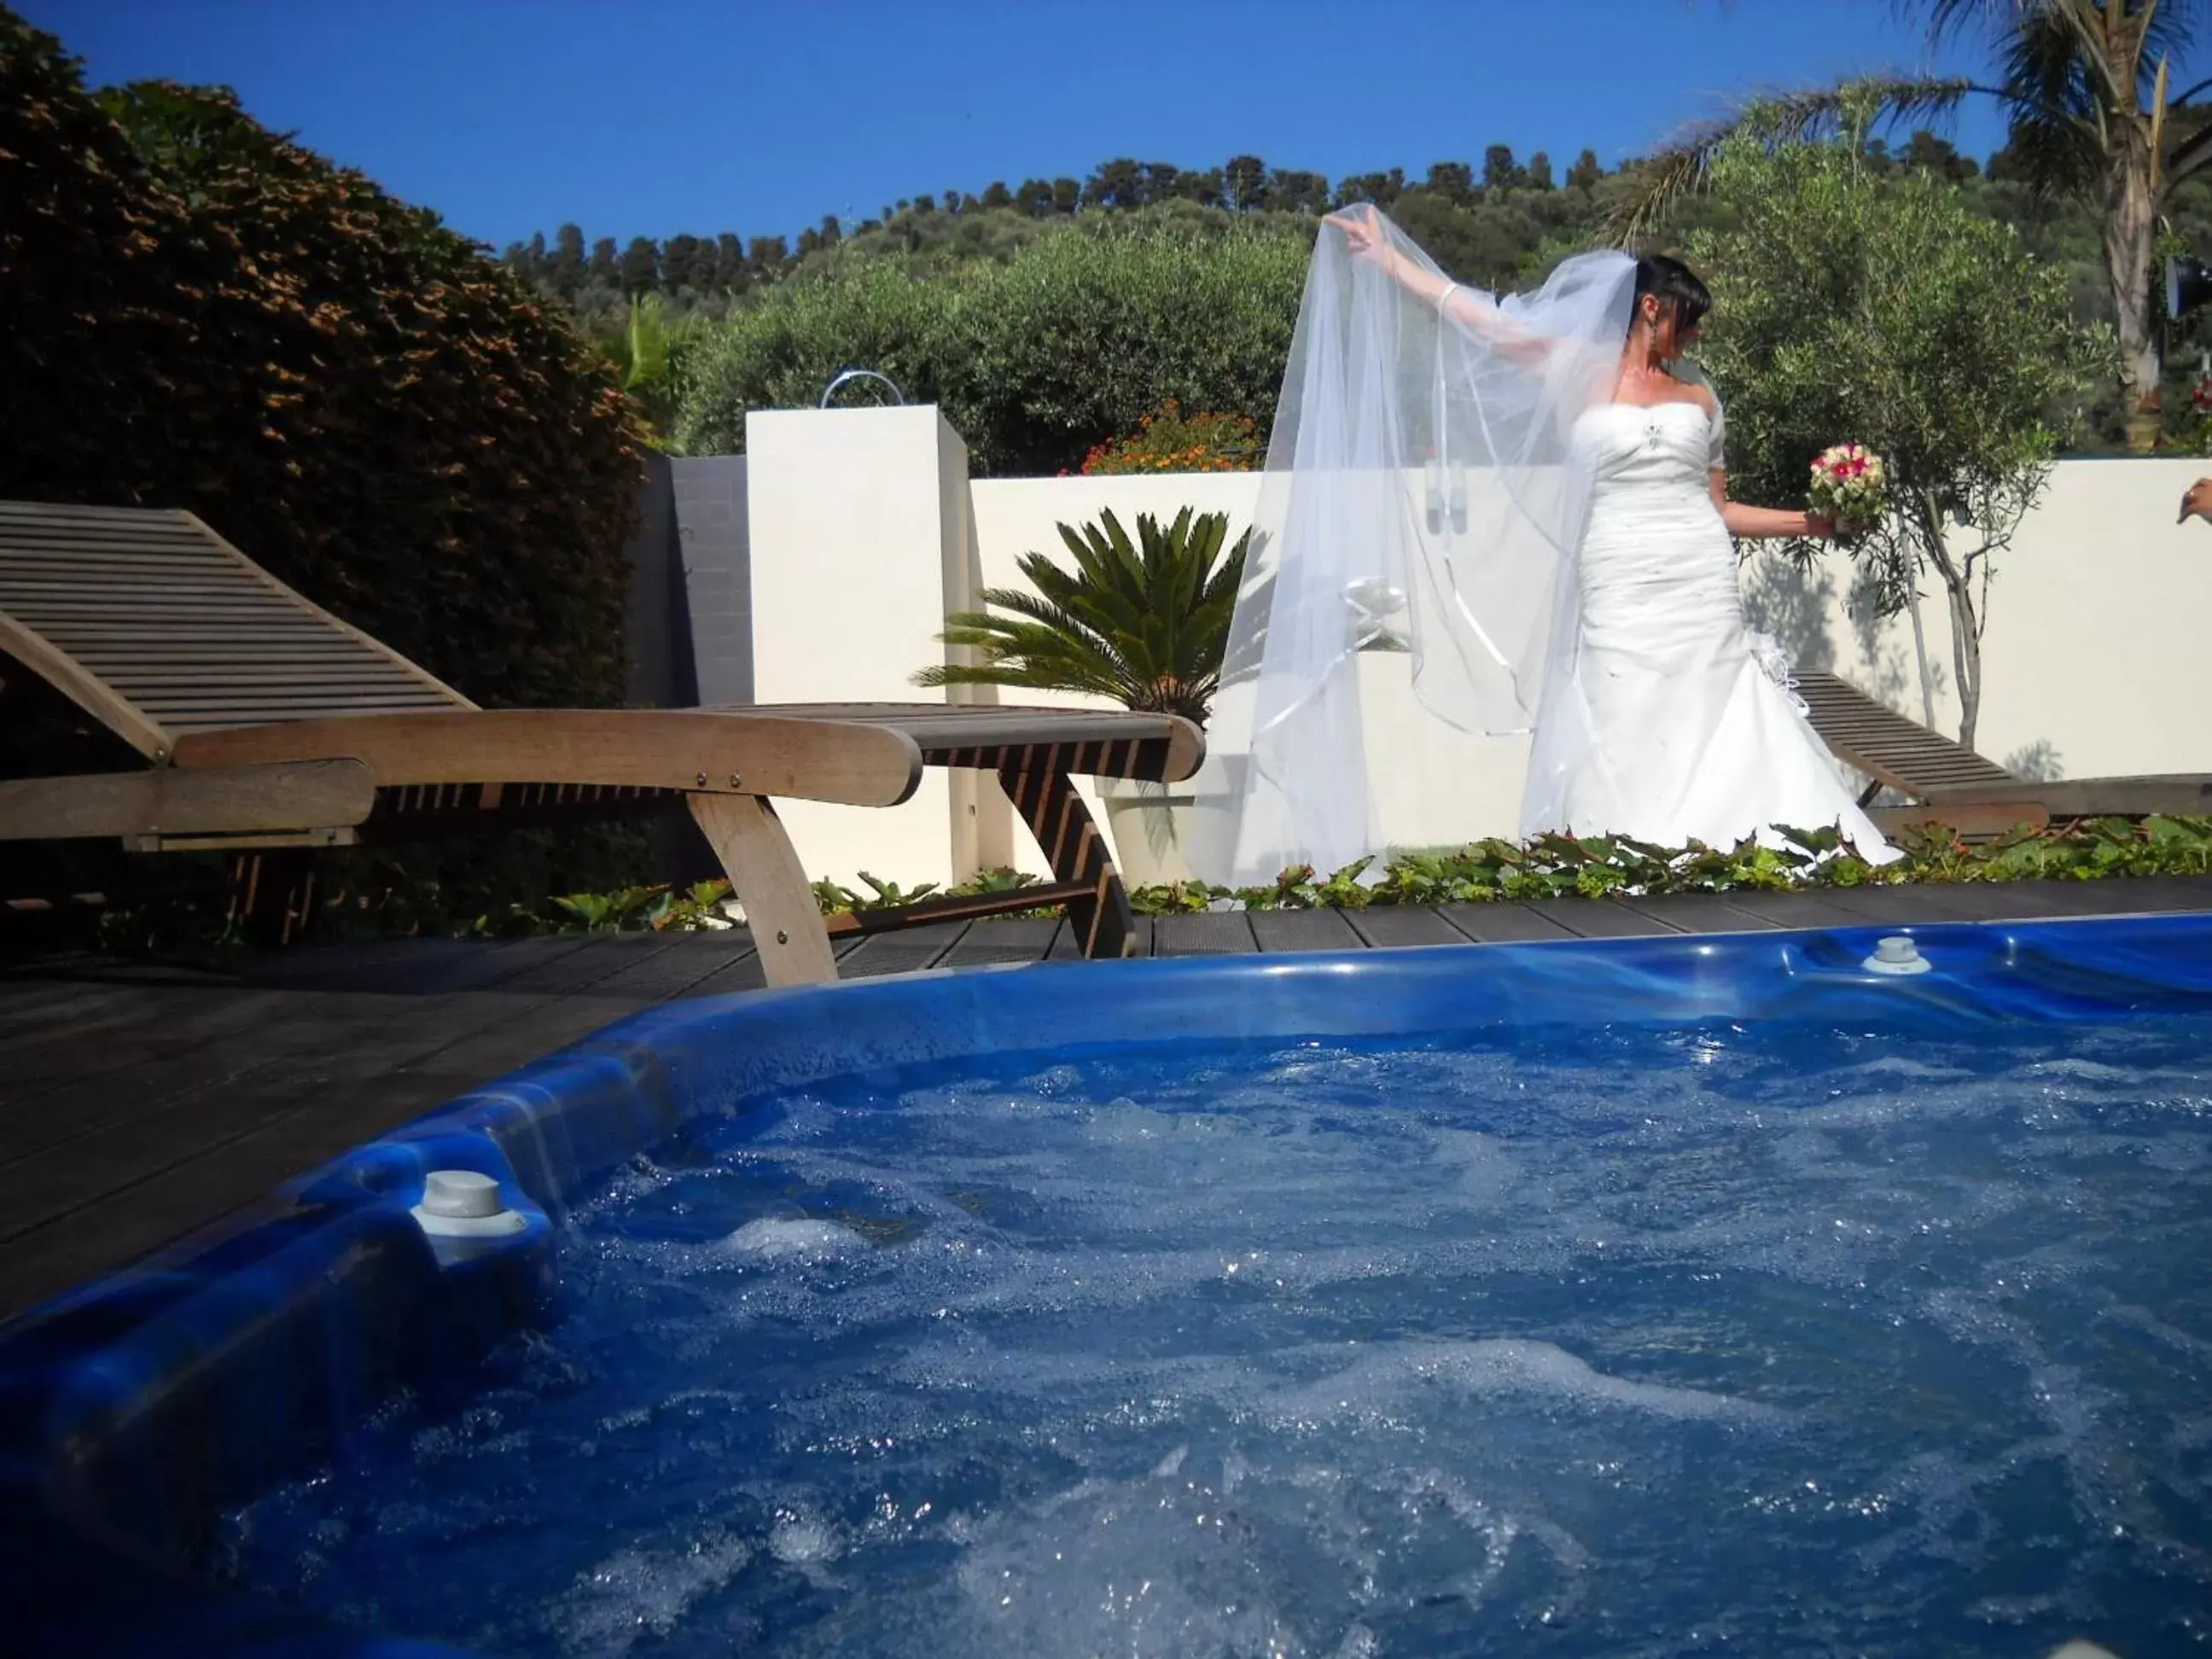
(1447, 473)
(1668, 721)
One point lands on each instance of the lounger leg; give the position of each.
(272, 897)
(770, 883)
(1056, 816)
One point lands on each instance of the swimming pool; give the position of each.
(1651, 1295)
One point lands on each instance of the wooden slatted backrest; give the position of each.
(157, 627)
(1885, 746)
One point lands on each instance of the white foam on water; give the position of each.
(2080, 1069)
(1301, 1562)
(803, 1538)
(1904, 1065)
(1159, 1568)
(1383, 1383)
(772, 1240)
(1486, 1169)
(639, 1596)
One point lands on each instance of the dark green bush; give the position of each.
(1070, 340)
(197, 312)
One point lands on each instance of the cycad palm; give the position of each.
(2085, 83)
(1144, 624)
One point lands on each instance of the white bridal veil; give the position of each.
(1420, 496)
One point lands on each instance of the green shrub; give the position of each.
(1559, 867)
(1080, 336)
(1072, 339)
(1564, 866)
(782, 351)
(202, 314)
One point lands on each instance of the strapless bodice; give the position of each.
(1629, 444)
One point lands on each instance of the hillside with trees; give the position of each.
(1488, 221)
(1500, 223)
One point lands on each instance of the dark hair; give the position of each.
(1677, 286)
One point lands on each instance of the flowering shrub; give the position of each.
(1169, 440)
(2189, 431)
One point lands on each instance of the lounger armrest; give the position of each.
(242, 800)
(692, 750)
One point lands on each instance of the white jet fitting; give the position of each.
(1897, 954)
(462, 1204)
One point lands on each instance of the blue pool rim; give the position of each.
(135, 1408)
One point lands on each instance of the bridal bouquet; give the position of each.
(1847, 487)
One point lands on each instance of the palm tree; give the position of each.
(2085, 85)
(1144, 624)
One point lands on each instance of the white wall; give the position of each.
(861, 535)
(2093, 656)
(1014, 516)
(856, 525)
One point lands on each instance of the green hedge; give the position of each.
(1070, 341)
(1552, 866)
(197, 312)
(383, 895)
(1559, 867)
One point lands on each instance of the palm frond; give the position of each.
(1683, 167)
(2169, 26)
(1949, 18)
(2068, 81)
(2076, 60)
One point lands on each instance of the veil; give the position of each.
(1421, 495)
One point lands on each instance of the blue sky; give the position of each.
(655, 116)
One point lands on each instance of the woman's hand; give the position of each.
(1362, 231)
(1820, 527)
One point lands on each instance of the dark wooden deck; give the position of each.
(138, 1102)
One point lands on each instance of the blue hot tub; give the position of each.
(1657, 1294)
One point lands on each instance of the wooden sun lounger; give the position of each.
(1968, 792)
(265, 721)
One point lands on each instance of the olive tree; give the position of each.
(1853, 308)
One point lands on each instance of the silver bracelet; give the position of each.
(1449, 288)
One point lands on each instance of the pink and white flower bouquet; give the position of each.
(1848, 486)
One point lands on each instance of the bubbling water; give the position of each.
(1615, 1342)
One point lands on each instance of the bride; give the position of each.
(1529, 495)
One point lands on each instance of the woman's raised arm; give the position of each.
(1363, 233)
